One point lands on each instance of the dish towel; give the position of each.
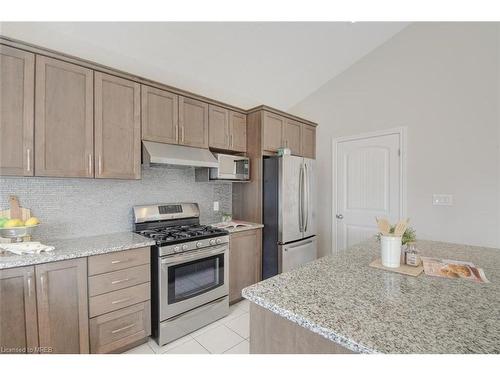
(22, 248)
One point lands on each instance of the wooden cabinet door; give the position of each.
(117, 127)
(63, 320)
(292, 135)
(238, 127)
(193, 122)
(17, 93)
(244, 261)
(160, 115)
(272, 132)
(18, 327)
(308, 141)
(218, 127)
(64, 139)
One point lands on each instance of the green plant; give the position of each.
(408, 236)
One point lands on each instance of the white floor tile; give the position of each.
(189, 347)
(240, 325)
(219, 339)
(162, 349)
(242, 348)
(245, 305)
(141, 349)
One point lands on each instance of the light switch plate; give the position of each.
(442, 200)
(216, 206)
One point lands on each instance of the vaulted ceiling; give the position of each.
(244, 64)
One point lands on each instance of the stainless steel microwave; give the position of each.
(230, 167)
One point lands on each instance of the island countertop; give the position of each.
(77, 248)
(369, 310)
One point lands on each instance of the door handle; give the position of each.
(306, 185)
(301, 200)
(339, 216)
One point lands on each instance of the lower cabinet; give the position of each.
(119, 300)
(44, 308)
(18, 317)
(245, 255)
(63, 322)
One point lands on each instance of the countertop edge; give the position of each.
(328, 334)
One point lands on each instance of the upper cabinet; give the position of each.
(160, 115)
(64, 138)
(272, 132)
(117, 127)
(17, 85)
(238, 131)
(193, 122)
(292, 136)
(218, 119)
(308, 141)
(227, 129)
(279, 131)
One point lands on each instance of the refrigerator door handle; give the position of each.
(307, 200)
(301, 193)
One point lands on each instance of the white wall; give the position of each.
(441, 81)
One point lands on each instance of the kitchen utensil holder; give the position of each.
(390, 247)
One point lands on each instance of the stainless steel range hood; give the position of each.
(161, 153)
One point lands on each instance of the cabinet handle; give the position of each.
(123, 328)
(231, 142)
(90, 164)
(182, 134)
(99, 162)
(177, 134)
(28, 157)
(121, 300)
(120, 261)
(43, 284)
(119, 281)
(30, 278)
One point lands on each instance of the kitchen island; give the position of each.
(338, 304)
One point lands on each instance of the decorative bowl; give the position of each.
(17, 232)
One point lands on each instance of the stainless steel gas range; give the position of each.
(189, 269)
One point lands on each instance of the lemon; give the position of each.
(32, 221)
(12, 223)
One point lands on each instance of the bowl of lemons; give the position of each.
(17, 228)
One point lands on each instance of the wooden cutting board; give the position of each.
(16, 211)
(403, 269)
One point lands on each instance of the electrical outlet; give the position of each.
(442, 200)
(216, 206)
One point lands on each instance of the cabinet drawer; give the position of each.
(118, 299)
(111, 281)
(118, 260)
(110, 332)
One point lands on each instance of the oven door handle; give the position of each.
(183, 258)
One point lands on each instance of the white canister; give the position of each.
(390, 247)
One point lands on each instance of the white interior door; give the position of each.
(368, 185)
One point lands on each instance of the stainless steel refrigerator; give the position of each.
(289, 213)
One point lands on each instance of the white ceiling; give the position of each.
(244, 64)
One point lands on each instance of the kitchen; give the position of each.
(171, 222)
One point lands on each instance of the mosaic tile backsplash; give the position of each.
(76, 207)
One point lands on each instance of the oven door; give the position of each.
(192, 279)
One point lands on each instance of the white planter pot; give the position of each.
(390, 247)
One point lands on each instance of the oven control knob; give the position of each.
(199, 244)
(219, 240)
(177, 249)
(212, 242)
(184, 247)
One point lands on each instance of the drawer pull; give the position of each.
(123, 328)
(121, 300)
(119, 281)
(120, 261)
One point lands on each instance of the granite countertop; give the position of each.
(77, 248)
(369, 310)
(238, 226)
